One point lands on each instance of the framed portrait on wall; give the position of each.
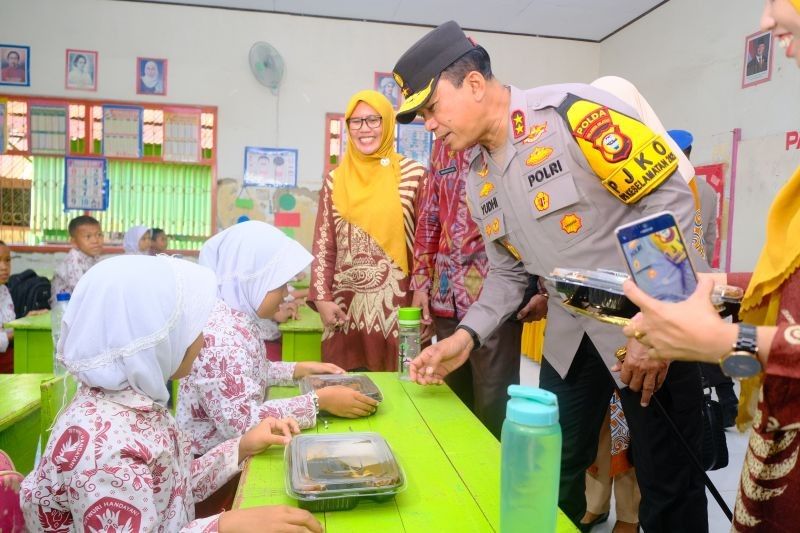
(15, 65)
(270, 167)
(757, 66)
(151, 76)
(81, 70)
(385, 84)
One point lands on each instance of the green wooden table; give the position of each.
(33, 344)
(302, 338)
(20, 413)
(451, 463)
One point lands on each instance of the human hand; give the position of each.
(307, 368)
(438, 360)
(343, 401)
(269, 519)
(691, 330)
(266, 433)
(640, 373)
(286, 311)
(332, 316)
(534, 310)
(420, 299)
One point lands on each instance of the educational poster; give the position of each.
(122, 131)
(85, 184)
(181, 135)
(270, 167)
(48, 129)
(3, 127)
(415, 142)
(715, 176)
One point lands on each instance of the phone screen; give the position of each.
(657, 257)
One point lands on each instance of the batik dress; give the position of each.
(116, 461)
(226, 392)
(352, 270)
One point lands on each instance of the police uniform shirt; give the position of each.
(546, 207)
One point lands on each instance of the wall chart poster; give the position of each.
(181, 135)
(414, 142)
(122, 131)
(85, 184)
(48, 129)
(270, 167)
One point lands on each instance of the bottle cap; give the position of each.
(531, 406)
(409, 316)
(62, 297)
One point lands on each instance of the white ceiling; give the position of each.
(589, 20)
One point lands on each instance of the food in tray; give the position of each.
(357, 382)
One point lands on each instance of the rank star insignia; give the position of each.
(486, 189)
(538, 155)
(492, 227)
(518, 123)
(484, 171)
(571, 223)
(542, 201)
(537, 130)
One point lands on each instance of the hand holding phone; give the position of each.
(657, 257)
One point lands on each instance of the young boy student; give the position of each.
(87, 241)
(226, 392)
(116, 460)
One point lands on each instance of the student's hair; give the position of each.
(155, 232)
(687, 151)
(475, 59)
(82, 220)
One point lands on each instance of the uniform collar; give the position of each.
(127, 398)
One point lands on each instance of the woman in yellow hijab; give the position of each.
(363, 240)
(763, 350)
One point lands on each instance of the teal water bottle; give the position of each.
(531, 461)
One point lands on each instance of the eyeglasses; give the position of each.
(372, 121)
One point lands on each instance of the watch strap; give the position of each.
(747, 340)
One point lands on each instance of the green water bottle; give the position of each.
(409, 321)
(530, 461)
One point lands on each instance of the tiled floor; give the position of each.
(726, 480)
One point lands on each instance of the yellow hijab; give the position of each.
(779, 259)
(366, 187)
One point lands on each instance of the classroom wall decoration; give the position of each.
(122, 131)
(3, 126)
(415, 142)
(85, 184)
(15, 65)
(181, 135)
(81, 70)
(151, 76)
(757, 66)
(48, 129)
(270, 167)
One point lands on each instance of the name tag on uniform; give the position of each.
(554, 195)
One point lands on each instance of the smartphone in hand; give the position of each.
(657, 257)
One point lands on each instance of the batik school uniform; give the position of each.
(225, 394)
(116, 461)
(71, 269)
(7, 314)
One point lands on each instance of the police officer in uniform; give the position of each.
(556, 170)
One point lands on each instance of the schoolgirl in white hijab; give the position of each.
(137, 240)
(115, 460)
(226, 391)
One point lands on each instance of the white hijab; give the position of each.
(150, 80)
(131, 319)
(250, 259)
(131, 240)
(628, 93)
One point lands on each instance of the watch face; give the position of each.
(741, 365)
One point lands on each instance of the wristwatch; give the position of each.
(476, 341)
(742, 361)
(315, 399)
